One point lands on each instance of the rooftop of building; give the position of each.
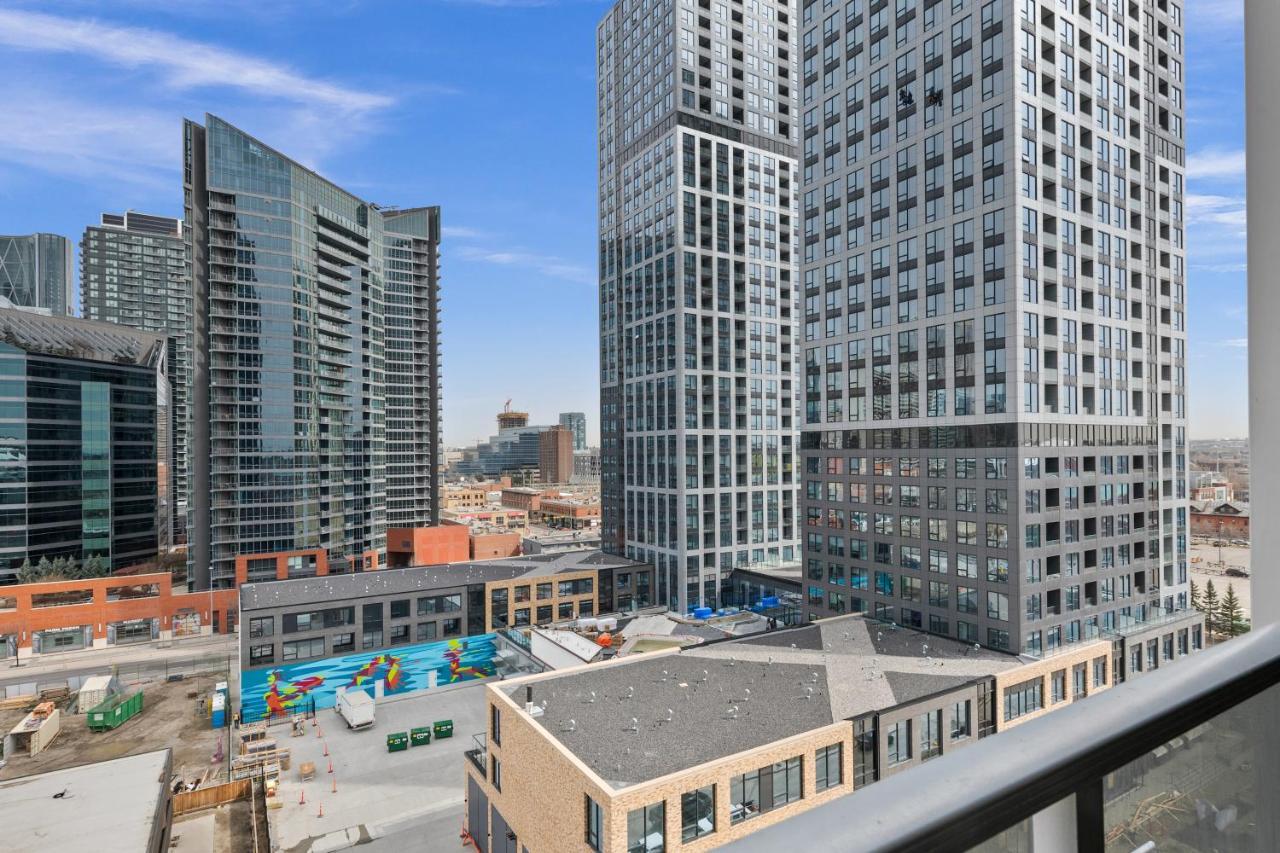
(654, 714)
(73, 337)
(114, 803)
(1233, 508)
(413, 579)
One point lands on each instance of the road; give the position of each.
(132, 662)
(433, 832)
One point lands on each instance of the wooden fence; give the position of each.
(211, 795)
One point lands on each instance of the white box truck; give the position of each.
(356, 707)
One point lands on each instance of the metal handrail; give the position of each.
(958, 801)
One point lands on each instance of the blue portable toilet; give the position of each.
(218, 709)
(702, 613)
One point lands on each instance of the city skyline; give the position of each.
(519, 242)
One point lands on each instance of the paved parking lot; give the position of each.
(415, 796)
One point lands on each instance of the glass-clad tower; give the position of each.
(994, 283)
(133, 272)
(697, 182)
(36, 272)
(289, 409)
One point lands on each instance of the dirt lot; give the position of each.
(1205, 567)
(168, 718)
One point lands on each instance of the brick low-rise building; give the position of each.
(1222, 519)
(688, 750)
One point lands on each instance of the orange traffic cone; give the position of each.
(317, 732)
(302, 796)
(330, 765)
(321, 814)
(326, 749)
(335, 785)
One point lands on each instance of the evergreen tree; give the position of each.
(72, 568)
(94, 567)
(1210, 608)
(1230, 614)
(43, 568)
(1195, 596)
(26, 572)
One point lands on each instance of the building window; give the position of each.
(744, 796)
(698, 813)
(259, 655)
(426, 631)
(344, 642)
(828, 767)
(371, 639)
(1022, 699)
(495, 772)
(1079, 681)
(1059, 692)
(787, 781)
(400, 609)
(646, 829)
(544, 591)
(522, 617)
(495, 725)
(593, 824)
(961, 722)
(544, 614)
(452, 627)
(864, 753)
(263, 626)
(566, 610)
(930, 735)
(302, 649)
(898, 741)
(399, 634)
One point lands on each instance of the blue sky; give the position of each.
(487, 108)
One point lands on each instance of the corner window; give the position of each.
(593, 824)
(646, 829)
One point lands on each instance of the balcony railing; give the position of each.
(479, 754)
(1184, 758)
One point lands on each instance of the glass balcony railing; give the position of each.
(1183, 759)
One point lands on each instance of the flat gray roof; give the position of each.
(109, 806)
(779, 684)
(415, 579)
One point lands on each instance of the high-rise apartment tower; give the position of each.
(994, 284)
(289, 433)
(697, 172)
(35, 272)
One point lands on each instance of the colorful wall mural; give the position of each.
(292, 688)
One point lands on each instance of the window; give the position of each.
(898, 739)
(1059, 692)
(646, 829)
(263, 626)
(302, 649)
(930, 725)
(1100, 671)
(698, 813)
(1024, 698)
(828, 766)
(400, 609)
(961, 722)
(787, 781)
(259, 655)
(593, 824)
(452, 627)
(495, 725)
(344, 642)
(744, 796)
(399, 634)
(495, 772)
(426, 631)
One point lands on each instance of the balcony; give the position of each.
(479, 754)
(1185, 758)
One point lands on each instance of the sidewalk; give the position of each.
(141, 657)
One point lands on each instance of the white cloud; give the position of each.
(462, 232)
(1215, 163)
(1227, 212)
(1218, 13)
(1235, 343)
(184, 64)
(547, 265)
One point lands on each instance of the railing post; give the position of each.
(1053, 830)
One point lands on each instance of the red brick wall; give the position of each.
(23, 619)
(490, 546)
(427, 546)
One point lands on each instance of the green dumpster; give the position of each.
(397, 742)
(420, 736)
(114, 712)
(443, 728)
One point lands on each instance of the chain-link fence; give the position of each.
(130, 672)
